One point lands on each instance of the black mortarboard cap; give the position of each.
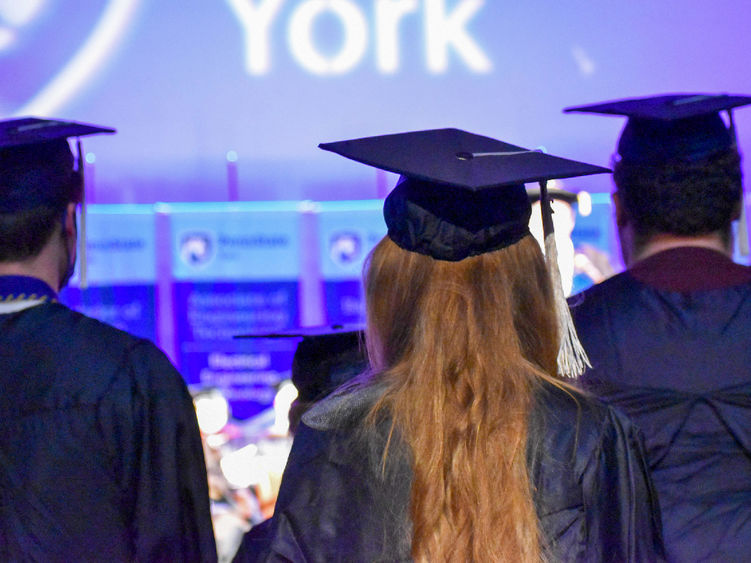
(36, 163)
(671, 126)
(459, 194)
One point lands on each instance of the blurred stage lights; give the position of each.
(584, 201)
(212, 411)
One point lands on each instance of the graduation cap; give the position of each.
(671, 126)
(36, 167)
(459, 194)
(325, 358)
(684, 127)
(36, 163)
(462, 195)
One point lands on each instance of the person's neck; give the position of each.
(44, 266)
(663, 241)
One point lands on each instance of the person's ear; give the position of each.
(621, 217)
(69, 225)
(736, 211)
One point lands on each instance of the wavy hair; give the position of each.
(684, 198)
(462, 347)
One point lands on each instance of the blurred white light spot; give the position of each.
(212, 412)
(231, 156)
(90, 158)
(282, 402)
(584, 201)
(7, 37)
(242, 468)
(20, 12)
(583, 61)
(216, 440)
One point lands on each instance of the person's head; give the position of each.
(678, 197)
(321, 363)
(462, 327)
(38, 182)
(677, 169)
(39, 190)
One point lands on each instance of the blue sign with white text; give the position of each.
(235, 270)
(348, 231)
(120, 269)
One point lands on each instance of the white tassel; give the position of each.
(83, 281)
(742, 233)
(572, 358)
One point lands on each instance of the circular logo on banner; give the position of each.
(196, 249)
(345, 248)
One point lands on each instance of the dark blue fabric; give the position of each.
(450, 223)
(591, 488)
(656, 141)
(16, 288)
(678, 363)
(100, 454)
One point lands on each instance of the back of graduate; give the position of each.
(669, 339)
(462, 443)
(100, 453)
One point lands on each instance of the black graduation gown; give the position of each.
(679, 364)
(100, 453)
(592, 491)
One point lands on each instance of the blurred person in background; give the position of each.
(325, 358)
(100, 453)
(580, 266)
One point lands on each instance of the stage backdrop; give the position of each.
(196, 85)
(223, 101)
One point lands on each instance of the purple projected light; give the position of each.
(184, 83)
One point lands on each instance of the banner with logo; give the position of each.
(235, 271)
(120, 264)
(348, 230)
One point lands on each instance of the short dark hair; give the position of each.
(23, 234)
(36, 183)
(685, 198)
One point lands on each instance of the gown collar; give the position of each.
(21, 292)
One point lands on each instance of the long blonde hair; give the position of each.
(462, 346)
